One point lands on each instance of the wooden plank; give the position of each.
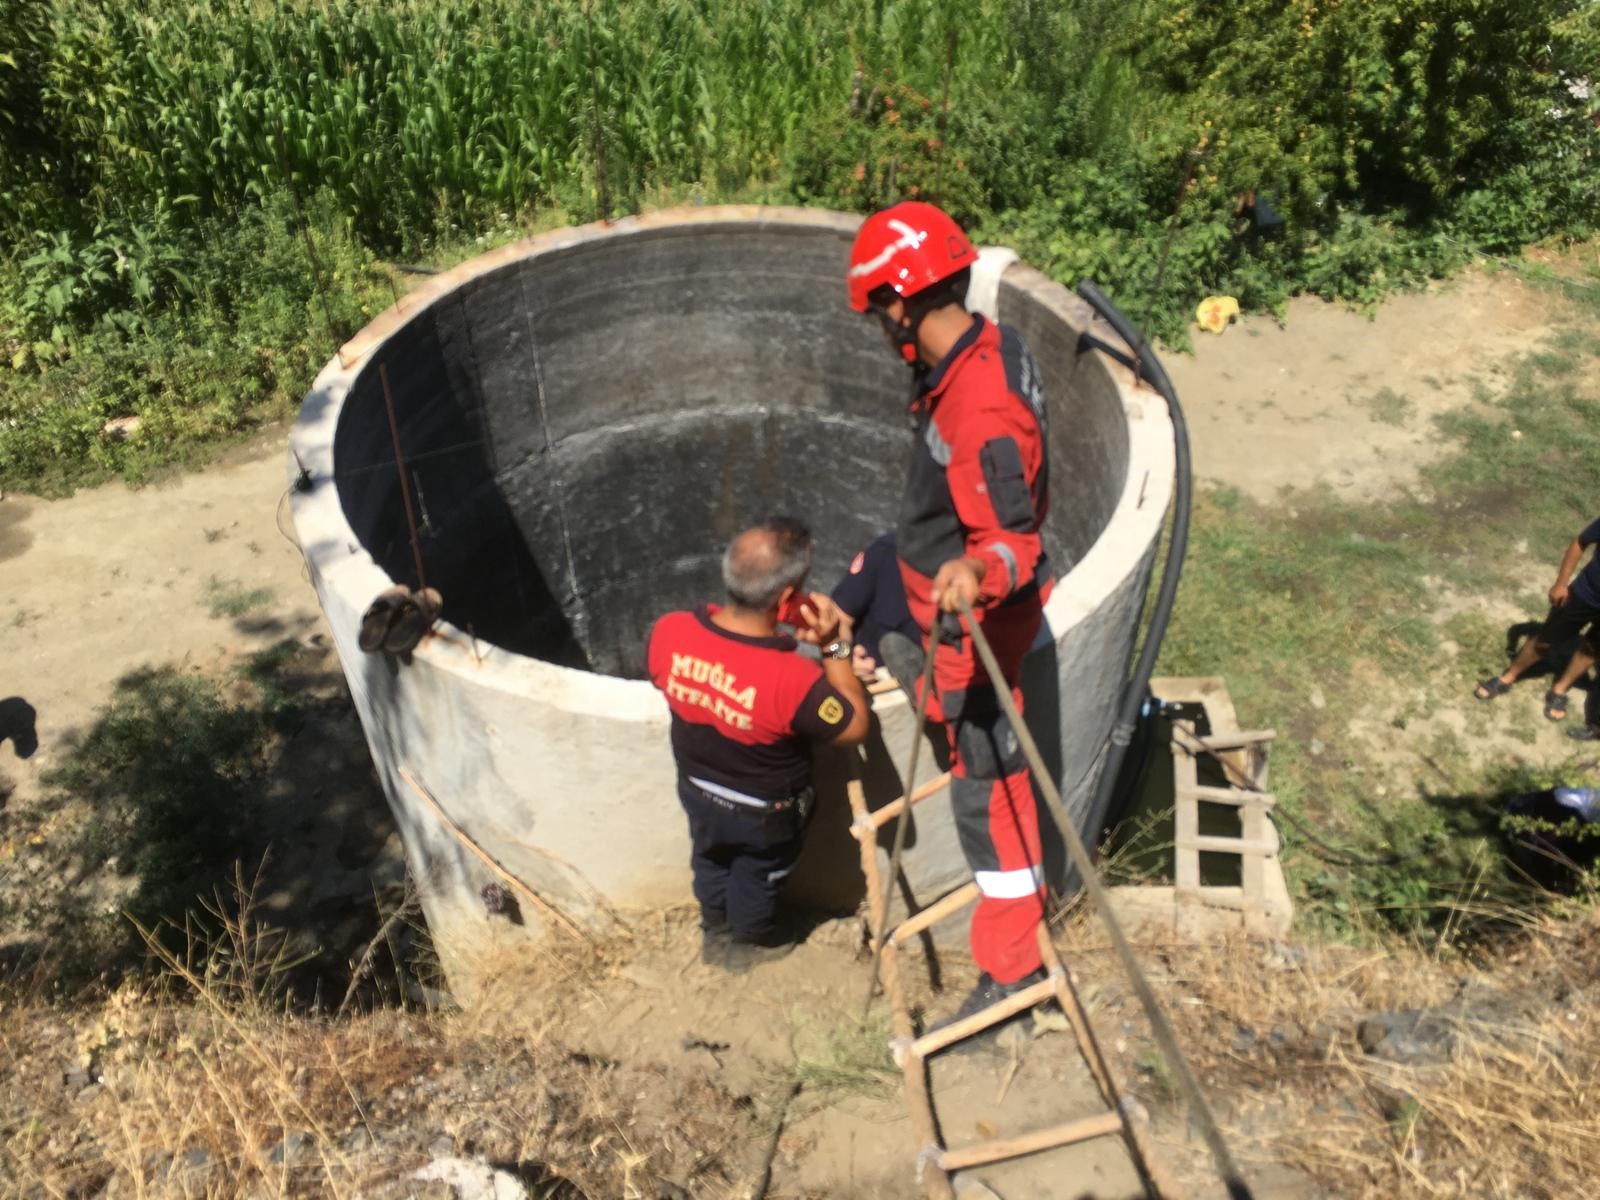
(934, 913)
(1228, 845)
(1067, 998)
(1066, 1134)
(938, 1039)
(1254, 827)
(1185, 821)
(1235, 740)
(919, 1102)
(1136, 1122)
(1238, 797)
(894, 808)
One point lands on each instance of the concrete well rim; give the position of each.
(320, 522)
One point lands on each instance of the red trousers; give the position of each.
(997, 817)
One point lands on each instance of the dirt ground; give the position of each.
(109, 580)
(1330, 395)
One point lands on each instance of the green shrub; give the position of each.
(242, 350)
(141, 142)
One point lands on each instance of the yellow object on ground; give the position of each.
(1215, 312)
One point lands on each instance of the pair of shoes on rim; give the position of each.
(986, 994)
(398, 619)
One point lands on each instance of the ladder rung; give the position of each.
(1228, 845)
(1238, 797)
(1031, 1143)
(894, 808)
(1236, 740)
(938, 1039)
(934, 913)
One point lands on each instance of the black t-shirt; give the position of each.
(1586, 587)
(874, 596)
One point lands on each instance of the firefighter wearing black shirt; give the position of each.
(745, 710)
(974, 501)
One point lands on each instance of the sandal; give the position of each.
(1490, 688)
(1555, 706)
(380, 615)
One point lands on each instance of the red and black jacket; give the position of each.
(744, 709)
(979, 478)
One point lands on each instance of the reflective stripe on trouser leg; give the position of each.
(996, 815)
(997, 820)
(1011, 906)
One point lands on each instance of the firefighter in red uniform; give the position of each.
(745, 708)
(969, 522)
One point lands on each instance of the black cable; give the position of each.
(1331, 854)
(1149, 370)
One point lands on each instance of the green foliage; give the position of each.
(890, 142)
(27, 142)
(241, 350)
(148, 150)
(229, 598)
(111, 278)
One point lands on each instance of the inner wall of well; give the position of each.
(584, 430)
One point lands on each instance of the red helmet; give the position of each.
(909, 247)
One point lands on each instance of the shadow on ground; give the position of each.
(205, 807)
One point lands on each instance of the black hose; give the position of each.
(1148, 369)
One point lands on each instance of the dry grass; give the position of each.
(1273, 1036)
(194, 1084)
(206, 1066)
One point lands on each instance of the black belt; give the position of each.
(800, 801)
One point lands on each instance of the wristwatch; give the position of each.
(838, 648)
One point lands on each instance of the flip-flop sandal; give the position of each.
(413, 619)
(1555, 706)
(1491, 688)
(379, 616)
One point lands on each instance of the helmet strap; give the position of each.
(904, 336)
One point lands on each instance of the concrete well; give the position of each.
(586, 417)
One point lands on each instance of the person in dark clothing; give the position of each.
(872, 597)
(745, 709)
(1574, 609)
(973, 504)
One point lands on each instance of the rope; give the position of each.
(880, 928)
(517, 885)
(1160, 1025)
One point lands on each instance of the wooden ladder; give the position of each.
(935, 1161)
(1261, 896)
